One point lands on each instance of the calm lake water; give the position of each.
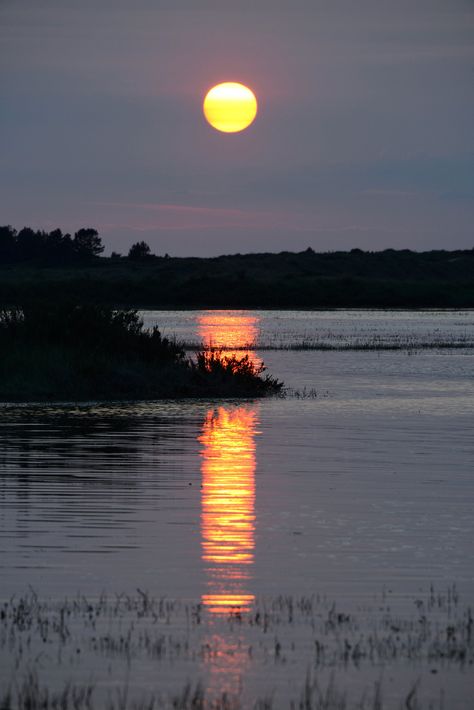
(363, 490)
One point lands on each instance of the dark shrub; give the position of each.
(139, 250)
(69, 351)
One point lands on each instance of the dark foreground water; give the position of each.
(362, 495)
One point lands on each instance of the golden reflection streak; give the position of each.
(228, 506)
(228, 503)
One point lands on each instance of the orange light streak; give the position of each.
(228, 506)
(228, 474)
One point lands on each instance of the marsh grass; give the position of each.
(354, 345)
(30, 695)
(42, 641)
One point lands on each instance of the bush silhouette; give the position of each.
(139, 250)
(63, 350)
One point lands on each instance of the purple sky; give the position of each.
(364, 136)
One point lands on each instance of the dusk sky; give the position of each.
(364, 136)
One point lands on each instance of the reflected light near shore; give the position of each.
(228, 506)
(235, 332)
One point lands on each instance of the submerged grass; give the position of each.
(42, 642)
(67, 351)
(374, 344)
(30, 695)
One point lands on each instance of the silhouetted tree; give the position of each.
(7, 244)
(87, 242)
(29, 243)
(139, 250)
(59, 247)
(54, 239)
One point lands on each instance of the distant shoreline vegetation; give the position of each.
(69, 352)
(39, 264)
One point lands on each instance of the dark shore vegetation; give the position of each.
(52, 265)
(69, 654)
(65, 352)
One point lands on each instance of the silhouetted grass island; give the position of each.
(87, 352)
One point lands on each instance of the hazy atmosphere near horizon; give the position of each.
(363, 136)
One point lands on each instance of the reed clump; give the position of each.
(225, 368)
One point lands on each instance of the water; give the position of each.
(364, 490)
(338, 329)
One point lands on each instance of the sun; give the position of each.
(230, 107)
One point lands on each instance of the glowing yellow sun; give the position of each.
(230, 107)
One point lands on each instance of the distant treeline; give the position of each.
(48, 247)
(57, 247)
(352, 279)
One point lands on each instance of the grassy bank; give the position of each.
(70, 352)
(355, 279)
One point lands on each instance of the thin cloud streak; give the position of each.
(176, 218)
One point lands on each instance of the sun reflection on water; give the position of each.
(228, 465)
(228, 506)
(231, 331)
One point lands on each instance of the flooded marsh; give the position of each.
(297, 649)
(310, 551)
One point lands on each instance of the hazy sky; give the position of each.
(364, 138)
